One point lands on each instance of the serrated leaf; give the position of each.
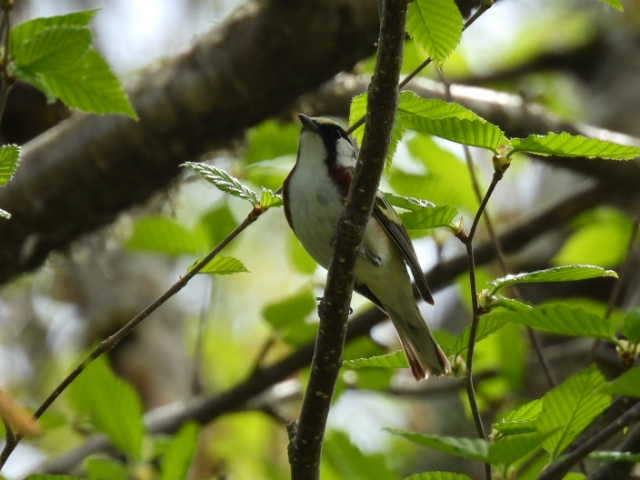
(521, 420)
(507, 450)
(388, 360)
(472, 448)
(564, 273)
(627, 384)
(408, 203)
(112, 405)
(179, 454)
(566, 145)
(357, 110)
(489, 323)
(631, 326)
(161, 234)
(613, 456)
(570, 407)
(89, 85)
(560, 319)
(9, 162)
(105, 469)
(430, 217)
(223, 181)
(438, 476)
(436, 25)
(27, 30)
(269, 198)
(288, 317)
(52, 49)
(224, 266)
(447, 120)
(617, 4)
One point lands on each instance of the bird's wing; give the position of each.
(390, 221)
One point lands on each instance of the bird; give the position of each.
(314, 197)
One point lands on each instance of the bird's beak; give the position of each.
(308, 122)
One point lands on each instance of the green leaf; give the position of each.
(408, 203)
(52, 49)
(357, 110)
(9, 162)
(613, 456)
(112, 405)
(430, 217)
(436, 25)
(271, 139)
(161, 234)
(617, 4)
(472, 448)
(570, 407)
(567, 145)
(269, 198)
(224, 266)
(521, 420)
(447, 120)
(438, 476)
(179, 453)
(99, 468)
(89, 85)
(215, 224)
(631, 327)
(26, 31)
(489, 323)
(601, 226)
(223, 181)
(507, 450)
(560, 319)
(388, 360)
(564, 273)
(347, 461)
(288, 317)
(574, 476)
(627, 384)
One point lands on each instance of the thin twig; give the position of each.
(481, 9)
(468, 242)
(305, 446)
(561, 467)
(113, 340)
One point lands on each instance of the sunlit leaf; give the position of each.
(179, 454)
(221, 265)
(627, 384)
(271, 139)
(560, 319)
(430, 217)
(564, 273)
(25, 31)
(507, 450)
(567, 145)
(447, 120)
(472, 448)
(112, 405)
(617, 4)
(570, 407)
(488, 324)
(9, 161)
(161, 234)
(223, 181)
(388, 360)
(347, 461)
(52, 49)
(436, 25)
(408, 203)
(269, 198)
(88, 84)
(521, 420)
(215, 224)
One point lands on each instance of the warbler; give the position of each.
(314, 196)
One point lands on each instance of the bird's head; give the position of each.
(323, 140)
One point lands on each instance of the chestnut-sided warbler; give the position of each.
(314, 199)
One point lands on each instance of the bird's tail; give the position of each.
(423, 352)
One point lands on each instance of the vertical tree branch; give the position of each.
(306, 443)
